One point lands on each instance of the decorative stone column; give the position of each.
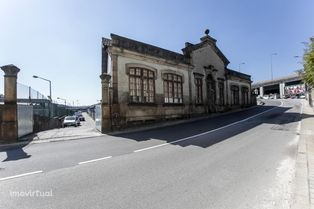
(114, 67)
(282, 90)
(9, 126)
(261, 91)
(105, 103)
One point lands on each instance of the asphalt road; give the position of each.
(86, 129)
(240, 160)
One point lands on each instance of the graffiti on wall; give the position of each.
(295, 89)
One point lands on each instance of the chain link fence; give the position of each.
(42, 106)
(26, 92)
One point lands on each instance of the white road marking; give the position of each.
(207, 132)
(91, 161)
(20, 175)
(300, 122)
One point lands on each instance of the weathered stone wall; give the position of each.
(1, 111)
(132, 113)
(159, 68)
(202, 60)
(42, 123)
(206, 56)
(240, 83)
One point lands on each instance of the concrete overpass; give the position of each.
(287, 85)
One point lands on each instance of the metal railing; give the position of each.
(26, 92)
(41, 104)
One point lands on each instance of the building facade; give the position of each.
(143, 83)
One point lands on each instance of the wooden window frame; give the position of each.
(221, 88)
(235, 94)
(171, 87)
(144, 76)
(245, 95)
(199, 90)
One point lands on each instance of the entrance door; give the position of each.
(211, 93)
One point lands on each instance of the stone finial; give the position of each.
(10, 70)
(105, 77)
(207, 38)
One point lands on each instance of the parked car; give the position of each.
(79, 115)
(82, 118)
(71, 121)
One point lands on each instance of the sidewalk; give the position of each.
(304, 183)
(86, 130)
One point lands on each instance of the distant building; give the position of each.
(286, 86)
(148, 83)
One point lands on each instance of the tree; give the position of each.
(309, 64)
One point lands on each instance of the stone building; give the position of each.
(142, 82)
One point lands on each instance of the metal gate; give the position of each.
(98, 116)
(25, 119)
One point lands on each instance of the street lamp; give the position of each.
(271, 64)
(299, 71)
(297, 57)
(65, 101)
(242, 63)
(35, 76)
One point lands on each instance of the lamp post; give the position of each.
(242, 63)
(271, 64)
(297, 57)
(65, 106)
(299, 71)
(50, 105)
(35, 76)
(65, 101)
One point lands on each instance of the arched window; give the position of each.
(234, 95)
(211, 90)
(198, 81)
(173, 92)
(141, 85)
(245, 95)
(221, 87)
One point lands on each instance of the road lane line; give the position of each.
(20, 175)
(95, 160)
(207, 132)
(300, 121)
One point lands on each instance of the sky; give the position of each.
(60, 40)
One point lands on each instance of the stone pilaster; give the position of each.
(114, 67)
(104, 59)
(115, 107)
(282, 90)
(9, 125)
(105, 103)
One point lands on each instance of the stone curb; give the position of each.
(304, 179)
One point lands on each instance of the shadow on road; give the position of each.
(278, 117)
(15, 153)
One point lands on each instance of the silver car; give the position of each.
(71, 121)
